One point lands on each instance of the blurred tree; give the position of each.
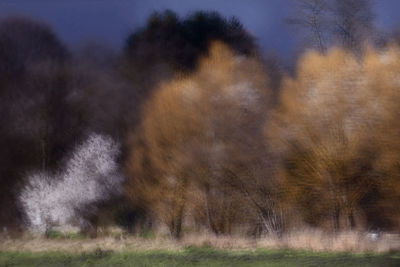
(329, 172)
(312, 15)
(353, 22)
(348, 23)
(89, 177)
(382, 69)
(102, 97)
(168, 44)
(200, 143)
(37, 120)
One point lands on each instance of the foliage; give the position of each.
(89, 177)
(331, 158)
(200, 143)
(170, 44)
(212, 136)
(37, 121)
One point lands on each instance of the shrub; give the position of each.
(90, 176)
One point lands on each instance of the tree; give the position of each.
(329, 168)
(312, 15)
(90, 176)
(102, 99)
(382, 69)
(170, 44)
(347, 23)
(33, 81)
(198, 144)
(353, 22)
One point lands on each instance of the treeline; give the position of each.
(54, 101)
(215, 151)
(188, 128)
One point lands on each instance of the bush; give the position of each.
(90, 176)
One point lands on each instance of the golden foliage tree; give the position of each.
(330, 131)
(199, 144)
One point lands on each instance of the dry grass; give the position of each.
(309, 239)
(312, 240)
(87, 245)
(316, 240)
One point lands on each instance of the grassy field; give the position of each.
(302, 248)
(197, 257)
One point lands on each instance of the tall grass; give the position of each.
(305, 239)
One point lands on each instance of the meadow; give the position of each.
(303, 248)
(198, 257)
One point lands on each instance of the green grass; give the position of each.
(60, 235)
(198, 257)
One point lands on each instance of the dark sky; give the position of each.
(110, 21)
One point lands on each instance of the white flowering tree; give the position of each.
(90, 176)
